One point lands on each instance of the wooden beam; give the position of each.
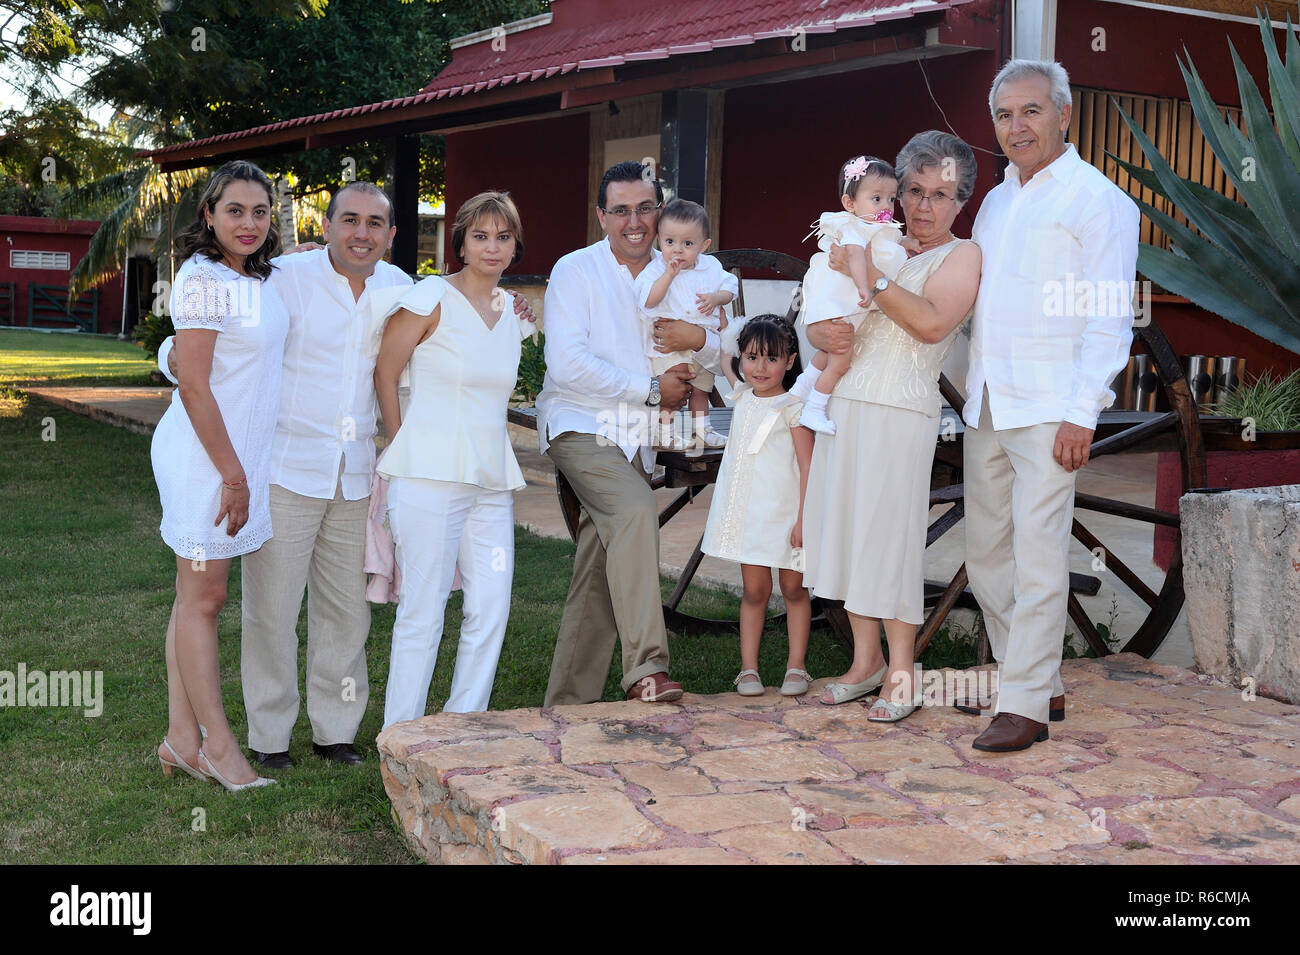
(405, 191)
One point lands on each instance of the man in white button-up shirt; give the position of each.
(1053, 326)
(322, 461)
(593, 419)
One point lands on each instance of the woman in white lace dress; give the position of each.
(211, 451)
(868, 487)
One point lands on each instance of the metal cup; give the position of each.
(1139, 385)
(1199, 370)
(1229, 373)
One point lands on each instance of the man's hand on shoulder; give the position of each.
(1072, 446)
(303, 247)
(522, 309)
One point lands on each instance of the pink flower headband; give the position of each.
(855, 169)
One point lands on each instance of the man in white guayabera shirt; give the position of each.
(593, 418)
(1053, 326)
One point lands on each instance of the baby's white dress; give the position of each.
(707, 277)
(829, 294)
(756, 497)
(251, 322)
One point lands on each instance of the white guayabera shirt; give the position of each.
(1054, 317)
(597, 366)
(327, 392)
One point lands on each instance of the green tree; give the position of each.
(206, 67)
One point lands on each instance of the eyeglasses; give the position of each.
(936, 200)
(623, 212)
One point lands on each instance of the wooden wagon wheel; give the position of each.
(1163, 606)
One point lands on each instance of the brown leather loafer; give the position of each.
(1009, 732)
(1055, 708)
(655, 688)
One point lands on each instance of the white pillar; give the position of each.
(1033, 33)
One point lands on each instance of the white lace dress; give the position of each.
(829, 294)
(251, 322)
(756, 497)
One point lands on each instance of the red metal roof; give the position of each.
(587, 34)
(593, 34)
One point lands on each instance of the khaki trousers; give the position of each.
(1019, 511)
(318, 545)
(615, 587)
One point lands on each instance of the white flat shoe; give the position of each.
(207, 769)
(713, 440)
(844, 692)
(752, 687)
(816, 420)
(670, 440)
(892, 712)
(796, 682)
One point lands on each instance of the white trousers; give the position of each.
(318, 545)
(435, 525)
(1019, 512)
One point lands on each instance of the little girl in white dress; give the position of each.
(756, 517)
(868, 190)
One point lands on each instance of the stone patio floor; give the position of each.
(1154, 764)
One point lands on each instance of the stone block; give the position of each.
(538, 828)
(776, 762)
(935, 844)
(663, 781)
(716, 811)
(778, 845)
(611, 742)
(682, 856)
(1026, 826)
(1214, 826)
(1241, 571)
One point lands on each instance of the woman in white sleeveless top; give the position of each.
(865, 512)
(451, 468)
(212, 450)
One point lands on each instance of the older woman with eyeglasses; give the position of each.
(865, 512)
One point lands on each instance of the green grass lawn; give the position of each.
(86, 584)
(29, 357)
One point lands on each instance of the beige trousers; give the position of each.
(1019, 511)
(318, 545)
(615, 587)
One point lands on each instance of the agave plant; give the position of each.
(1239, 261)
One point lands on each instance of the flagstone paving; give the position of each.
(1153, 765)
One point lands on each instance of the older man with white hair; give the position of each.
(1054, 228)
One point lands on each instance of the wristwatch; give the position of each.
(879, 285)
(654, 398)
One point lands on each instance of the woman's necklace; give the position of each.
(927, 246)
(485, 311)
